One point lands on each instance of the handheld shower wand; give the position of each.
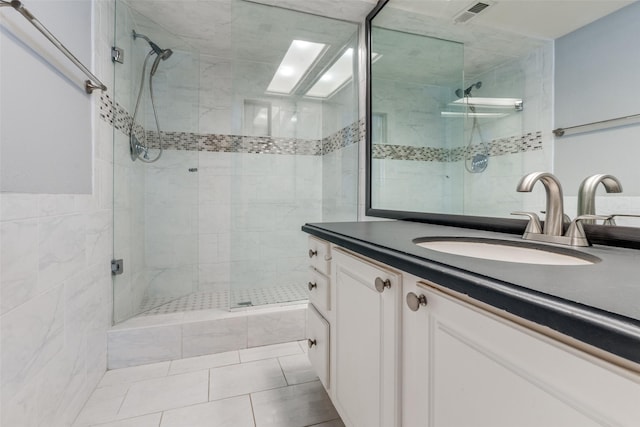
(140, 149)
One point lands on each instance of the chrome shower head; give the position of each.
(163, 53)
(467, 92)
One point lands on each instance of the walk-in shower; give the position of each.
(138, 148)
(212, 221)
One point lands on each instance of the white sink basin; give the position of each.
(507, 251)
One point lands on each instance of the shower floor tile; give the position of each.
(207, 300)
(163, 395)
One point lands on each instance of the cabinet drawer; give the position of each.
(319, 255)
(318, 339)
(319, 291)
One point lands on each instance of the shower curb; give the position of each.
(154, 339)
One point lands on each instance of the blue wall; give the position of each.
(597, 77)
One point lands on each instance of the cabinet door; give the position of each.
(365, 343)
(318, 341)
(319, 291)
(476, 369)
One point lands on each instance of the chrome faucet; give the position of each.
(587, 193)
(553, 224)
(555, 208)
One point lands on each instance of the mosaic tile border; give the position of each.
(116, 115)
(235, 143)
(498, 147)
(406, 152)
(344, 137)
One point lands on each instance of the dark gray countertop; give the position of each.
(598, 304)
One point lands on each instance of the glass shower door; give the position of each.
(155, 202)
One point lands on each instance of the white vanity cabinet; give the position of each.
(464, 366)
(365, 341)
(454, 361)
(319, 311)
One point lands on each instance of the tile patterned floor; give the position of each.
(270, 386)
(206, 300)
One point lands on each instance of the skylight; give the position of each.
(296, 62)
(335, 77)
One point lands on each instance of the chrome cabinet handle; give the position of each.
(312, 253)
(312, 285)
(414, 301)
(311, 342)
(381, 285)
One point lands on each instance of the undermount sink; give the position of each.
(506, 250)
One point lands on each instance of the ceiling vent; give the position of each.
(471, 12)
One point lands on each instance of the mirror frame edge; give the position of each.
(628, 237)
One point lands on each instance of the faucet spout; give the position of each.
(587, 193)
(555, 208)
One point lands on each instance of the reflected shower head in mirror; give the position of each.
(478, 162)
(467, 91)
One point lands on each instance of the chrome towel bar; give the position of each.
(603, 124)
(89, 85)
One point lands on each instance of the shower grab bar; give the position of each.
(89, 85)
(603, 124)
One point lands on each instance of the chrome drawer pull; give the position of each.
(312, 285)
(312, 253)
(414, 301)
(381, 285)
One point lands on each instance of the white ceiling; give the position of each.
(546, 19)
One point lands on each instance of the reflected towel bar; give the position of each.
(604, 124)
(89, 85)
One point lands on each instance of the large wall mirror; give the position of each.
(464, 98)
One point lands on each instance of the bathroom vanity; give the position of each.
(401, 335)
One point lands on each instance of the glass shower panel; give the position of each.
(277, 183)
(414, 139)
(156, 195)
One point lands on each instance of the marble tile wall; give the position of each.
(55, 283)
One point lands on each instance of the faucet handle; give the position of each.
(576, 233)
(609, 219)
(533, 227)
